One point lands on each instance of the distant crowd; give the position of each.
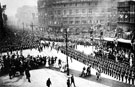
(115, 63)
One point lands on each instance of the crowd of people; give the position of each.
(120, 71)
(16, 64)
(86, 71)
(120, 55)
(105, 61)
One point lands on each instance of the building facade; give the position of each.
(78, 15)
(126, 18)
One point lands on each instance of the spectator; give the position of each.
(68, 82)
(27, 73)
(72, 81)
(48, 82)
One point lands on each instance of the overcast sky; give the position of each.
(12, 5)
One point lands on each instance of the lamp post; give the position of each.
(23, 27)
(32, 31)
(65, 31)
(101, 38)
(67, 53)
(91, 38)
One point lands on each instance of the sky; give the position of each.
(13, 5)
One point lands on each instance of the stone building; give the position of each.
(126, 17)
(78, 15)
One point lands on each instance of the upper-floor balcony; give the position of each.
(73, 1)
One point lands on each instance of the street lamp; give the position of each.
(91, 37)
(65, 31)
(101, 37)
(23, 27)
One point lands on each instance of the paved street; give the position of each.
(39, 76)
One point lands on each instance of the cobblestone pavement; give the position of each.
(39, 76)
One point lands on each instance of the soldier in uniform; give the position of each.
(116, 72)
(89, 70)
(68, 82)
(103, 67)
(126, 75)
(133, 77)
(119, 73)
(112, 69)
(129, 76)
(107, 71)
(122, 74)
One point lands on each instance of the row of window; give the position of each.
(132, 8)
(123, 4)
(78, 22)
(73, 0)
(75, 11)
(127, 20)
(93, 2)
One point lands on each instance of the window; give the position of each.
(71, 22)
(89, 11)
(55, 12)
(71, 18)
(70, 11)
(77, 11)
(59, 12)
(65, 18)
(83, 10)
(89, 3)
(77, 22)
(89, 21)
(65, 22)
(84, 21)
(77, 18)
(76, 4)
(65, 12)
(64, 5)
(59, 19)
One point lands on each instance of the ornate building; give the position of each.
(78, 15)
(126, 18)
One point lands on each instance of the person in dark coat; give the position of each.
(89, 70)
(10, 73)
(133, 77)
(48, 82)
(97, 74)
(27, 73)
(68, 82)
(126, 76)
(72, 80)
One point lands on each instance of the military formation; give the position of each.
(120, 71)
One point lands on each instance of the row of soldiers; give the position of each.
(12, 48)
(117, 70)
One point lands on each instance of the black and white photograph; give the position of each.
(67, 43)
